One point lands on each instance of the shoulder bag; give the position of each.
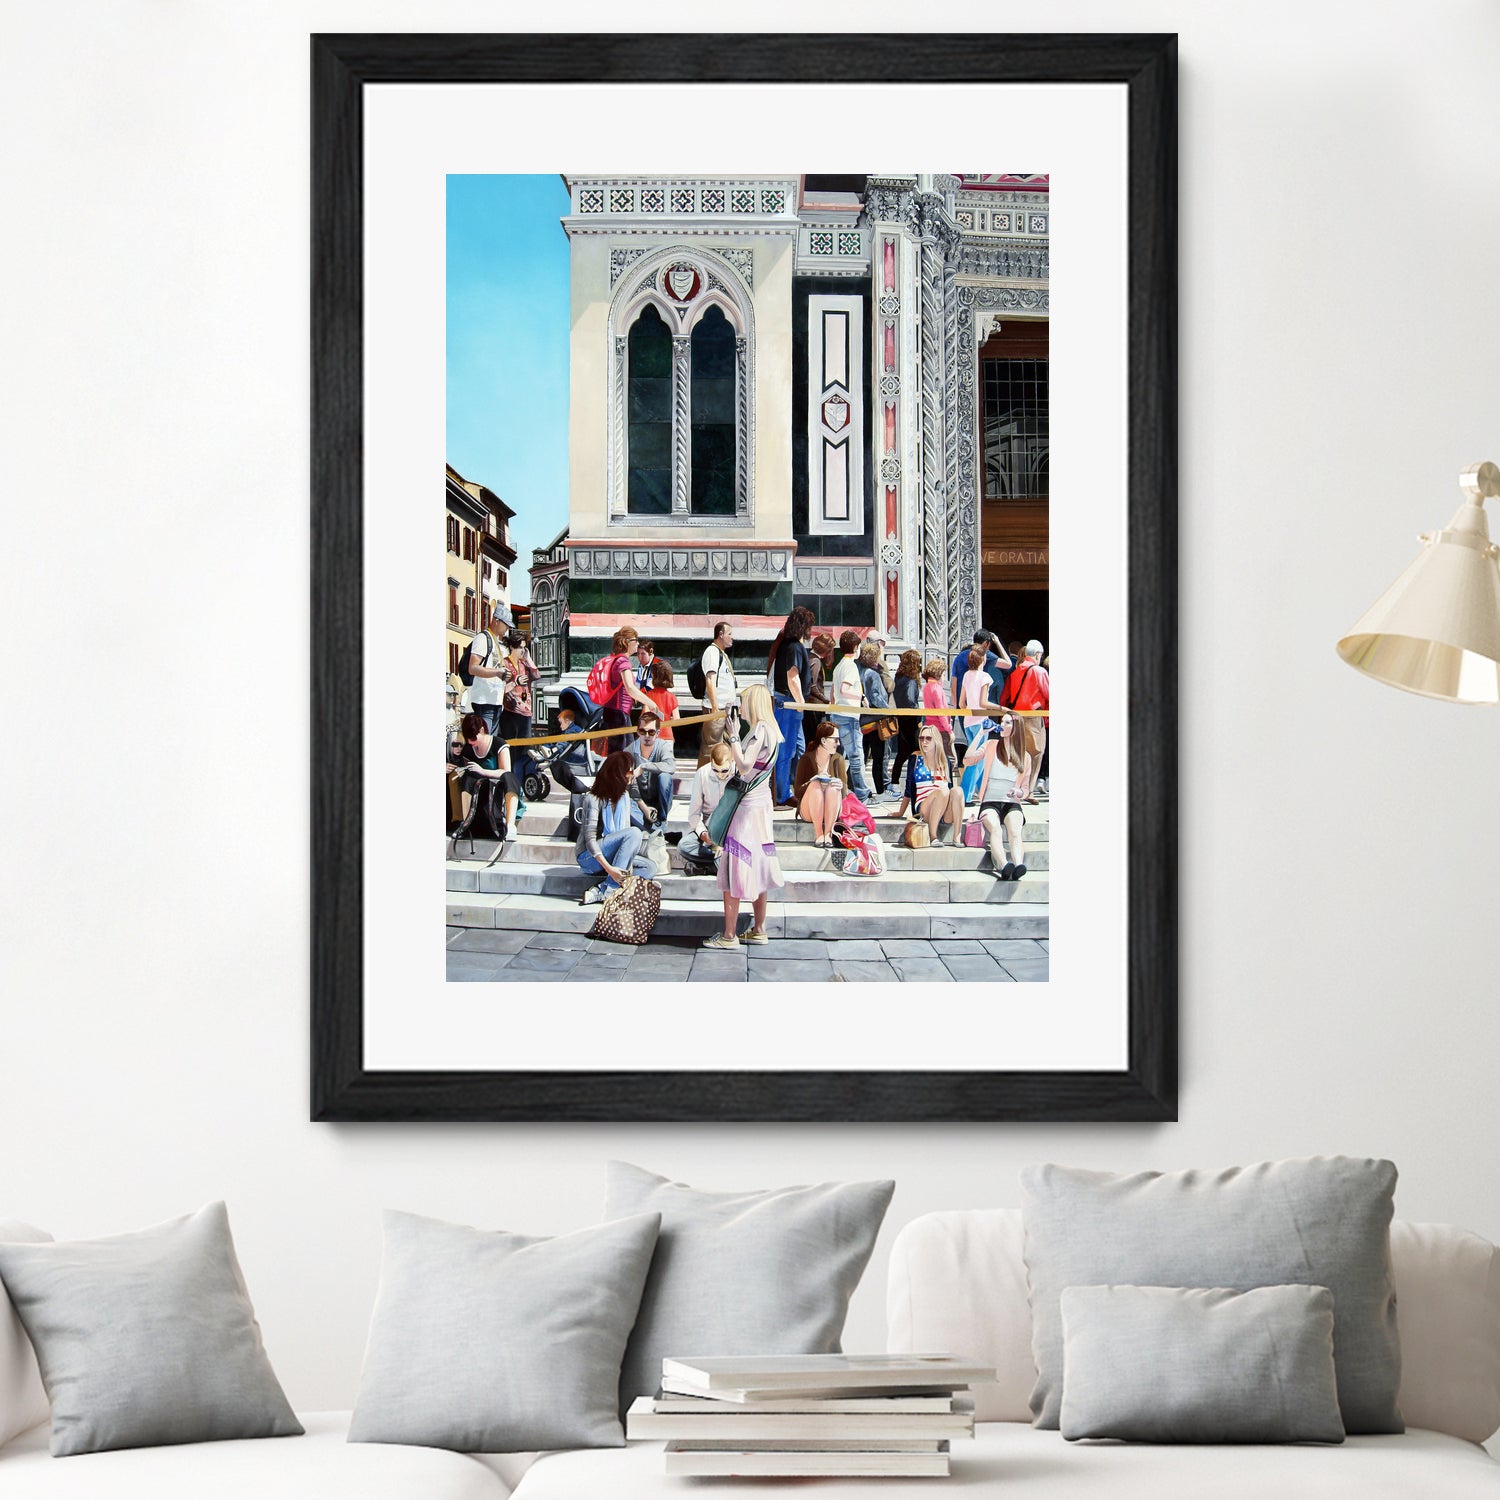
(736, 789)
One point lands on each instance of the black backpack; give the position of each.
(696, 680)
(465, 676)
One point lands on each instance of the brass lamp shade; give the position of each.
(1436, 630)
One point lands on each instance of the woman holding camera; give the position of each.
(518, 672)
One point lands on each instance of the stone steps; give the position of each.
(936, 887)
(784, 919)
(545, 819)
(527, 850)
(533, 885)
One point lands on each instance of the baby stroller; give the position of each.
(582, 757)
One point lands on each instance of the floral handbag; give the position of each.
(628, 914)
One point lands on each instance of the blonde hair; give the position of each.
(756, 702)
(935, 669)
(933, 755)
(869, 654)
(719, 755)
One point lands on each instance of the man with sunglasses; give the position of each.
(652, 788)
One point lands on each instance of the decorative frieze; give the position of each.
(1018, 261)
(773, 563)
(629, 205)
(835, 577)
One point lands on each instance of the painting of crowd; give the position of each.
(810, 729)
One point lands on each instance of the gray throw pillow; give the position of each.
(1318, 1222)
(1157, 1364)
(147, 1339)
(23, 1398)
(488, 1342)
(744, 1273)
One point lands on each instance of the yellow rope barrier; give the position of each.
(626, 730)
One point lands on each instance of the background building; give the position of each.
(824, 390)
(478, 559)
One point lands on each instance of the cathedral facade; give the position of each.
(818, 390)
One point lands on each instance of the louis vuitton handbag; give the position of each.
(628, 914)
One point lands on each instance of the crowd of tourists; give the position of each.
(803, 736)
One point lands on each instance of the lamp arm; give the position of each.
(1480, 481)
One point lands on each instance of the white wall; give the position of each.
(1341, 843)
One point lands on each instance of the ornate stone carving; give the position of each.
(742, 427)
(892, 200)
(1006, 298)
(890, 468)
(934, 494)
(770, 563)
(820, 577)
(618, 500)
(742, 259)
(620, 261)
(682, 475)
(890, 385)
(1021, 262)
(890, 554)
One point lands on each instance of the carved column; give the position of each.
(618, 496)
(934, 323)
(682, 460)
(741, 427)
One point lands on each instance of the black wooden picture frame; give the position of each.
(342, 1088)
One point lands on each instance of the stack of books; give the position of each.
(810, 1414)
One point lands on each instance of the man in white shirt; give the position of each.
(487, 667)
(848, 689)
(720, 689)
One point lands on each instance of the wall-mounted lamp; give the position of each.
(1436, 630)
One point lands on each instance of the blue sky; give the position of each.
(508, 351)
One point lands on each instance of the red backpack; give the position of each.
(598, 686)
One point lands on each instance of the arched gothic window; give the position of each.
(713, 423)
(650, 422)
(681, 392)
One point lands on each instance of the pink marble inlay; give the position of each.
(888, 263)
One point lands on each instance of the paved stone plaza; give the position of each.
(481, 956)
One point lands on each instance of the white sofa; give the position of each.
(956, 1282)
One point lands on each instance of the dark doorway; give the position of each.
(1017, 615)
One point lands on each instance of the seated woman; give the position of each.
(708, 788)
(486, 757)
(930, 792)
(820, 783)
(608, 842)
(1004, 779)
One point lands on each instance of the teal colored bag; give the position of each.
(736, 789)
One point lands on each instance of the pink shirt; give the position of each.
(974, 689)
(933, 696)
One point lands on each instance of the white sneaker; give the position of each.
(593, 896)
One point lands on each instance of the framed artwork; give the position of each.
(910, 435)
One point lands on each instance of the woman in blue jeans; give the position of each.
(608, 843)
(789, 672)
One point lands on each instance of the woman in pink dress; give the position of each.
(748, 867)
